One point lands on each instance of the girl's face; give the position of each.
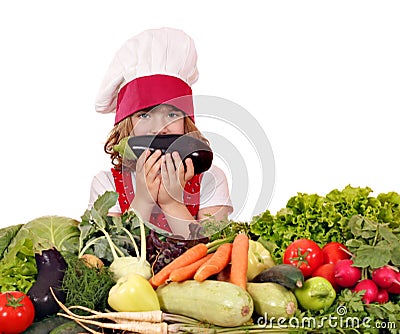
(163, 119)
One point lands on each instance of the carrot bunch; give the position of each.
(229, 260)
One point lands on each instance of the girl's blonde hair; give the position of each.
(124, 129)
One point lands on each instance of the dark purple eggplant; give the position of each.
(186, 145)
(286, 275)
(51, 269)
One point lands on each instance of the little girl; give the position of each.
(148, 86)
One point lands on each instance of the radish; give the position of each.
(395, 287)
(370, 288)
(384, 277)
(382, 297)
(346, 275)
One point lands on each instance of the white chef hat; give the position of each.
(157, 66)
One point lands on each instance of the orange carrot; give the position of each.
(187, 272)
(239, 263)
(216, 263)
(191, 255)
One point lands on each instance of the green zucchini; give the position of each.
(215, 302)
(286, 275)
(46, 325)
(70, 327)
(272, 300)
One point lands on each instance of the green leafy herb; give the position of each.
(348, 314)
(86, 285)
(228, 229)
(373, 244)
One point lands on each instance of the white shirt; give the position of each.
(214, 190)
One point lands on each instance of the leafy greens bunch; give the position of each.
(114, 230)
(19, 243)
(350, 315)
(86, 285)
(99, 231)
(323, 218)
(374, 245)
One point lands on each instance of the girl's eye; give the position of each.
(143, 115)
(173, 114)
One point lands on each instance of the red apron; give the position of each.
(124, 187)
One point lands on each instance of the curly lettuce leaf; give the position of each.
(325, 218)
(18, 267)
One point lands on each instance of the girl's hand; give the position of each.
(148, 178)
(173, 179)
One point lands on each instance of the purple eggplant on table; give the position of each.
(51, 269)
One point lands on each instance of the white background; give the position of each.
(321, 77)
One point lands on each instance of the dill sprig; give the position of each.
(86, 286)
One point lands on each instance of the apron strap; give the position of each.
(124, 187)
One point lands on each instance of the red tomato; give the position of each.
(327, 271)
(304, 254)
(16, 312)
(334, 252)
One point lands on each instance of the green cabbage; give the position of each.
(50, 231)
(6, 235)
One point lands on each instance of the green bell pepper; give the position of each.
(259, 259)
(133, 293)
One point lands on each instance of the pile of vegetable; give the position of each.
(327, 257)
(350, 239)
(324, 218)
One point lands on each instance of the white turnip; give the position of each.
(346, 275)
(384, 277)
(370, 288)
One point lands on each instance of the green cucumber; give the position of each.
(70, 327)
(272, 300)
(46, 325)
(215, 302)
(286, 275)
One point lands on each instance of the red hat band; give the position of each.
(152, 90)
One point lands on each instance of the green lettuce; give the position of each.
(323, 218)
(18, 267)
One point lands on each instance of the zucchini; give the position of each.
(45, 325)
(215, 302)
(272, 300)
(286, 275)
(70, 327)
